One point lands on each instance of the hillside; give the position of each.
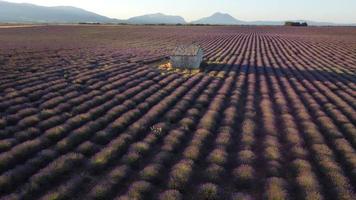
(29, 13)
(218, 18)
(157, 18)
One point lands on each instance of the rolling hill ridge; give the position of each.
(30, 13)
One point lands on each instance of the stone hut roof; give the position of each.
(186, 50)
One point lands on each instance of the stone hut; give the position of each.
(187, 56)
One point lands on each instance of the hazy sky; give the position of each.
(341, 11)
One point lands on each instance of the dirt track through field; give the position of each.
(18, 26)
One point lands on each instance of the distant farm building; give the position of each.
(295, 24)
(187, 56)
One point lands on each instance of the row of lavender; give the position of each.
(269, 117)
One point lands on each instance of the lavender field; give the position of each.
(85, 113)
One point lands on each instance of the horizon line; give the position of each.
(189, 21)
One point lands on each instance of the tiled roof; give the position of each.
(186, 50)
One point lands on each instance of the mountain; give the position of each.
(218, 18)
(29, 13)
(157, 18)
(226, 19)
